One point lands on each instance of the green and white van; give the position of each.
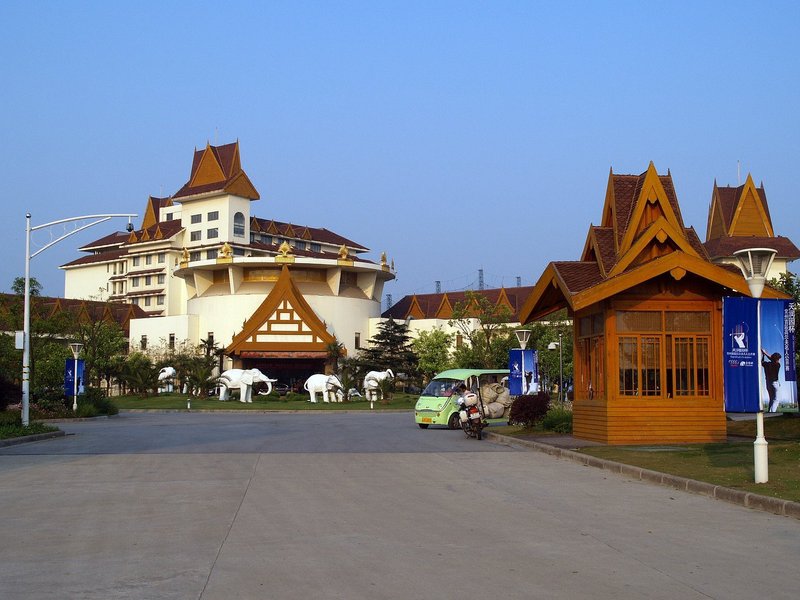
(437, 404)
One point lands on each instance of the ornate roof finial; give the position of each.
(184, 255)
(383, 259)
(343, 252)
(225, 251)
(285, 249)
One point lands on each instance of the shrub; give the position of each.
(96, 398)
(558, 419)
(527, 410)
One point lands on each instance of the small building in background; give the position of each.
(739, 218)
(646, 301)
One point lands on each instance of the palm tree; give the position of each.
(335, 351)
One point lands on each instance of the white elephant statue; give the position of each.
(372, 383)
(330, 386)
(244, 380)
(167, 376)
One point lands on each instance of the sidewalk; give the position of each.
(565, 446)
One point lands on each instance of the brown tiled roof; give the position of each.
(226, 157)
(606, 246)
(627, 189)
(726, 246)
(321, 235)
(97, 258)
(399, 309)
(167, 228)
(113, 239)
(729, 198)
(430, 303)
(695, 242)
(45, 306)
(578, 275)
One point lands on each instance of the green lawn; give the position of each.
(271, 402)
(729, 464)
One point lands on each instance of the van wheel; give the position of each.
(423, 425)
(454, 422)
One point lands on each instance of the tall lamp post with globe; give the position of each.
(26, 323)
(755, 264)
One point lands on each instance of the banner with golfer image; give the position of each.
(759, 360)
(523, 372)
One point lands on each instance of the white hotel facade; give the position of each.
(203, 266)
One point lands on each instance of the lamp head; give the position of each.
(523, 335)
(755, 264)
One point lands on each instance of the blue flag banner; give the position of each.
(69, 377)
(758, 349)
(740, 352)
(523, 368)
(776, 346)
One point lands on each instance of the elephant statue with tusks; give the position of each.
(243, 379)
(166, 377)
(372, 383)
(330, 386)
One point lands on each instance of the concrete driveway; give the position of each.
(222, 506)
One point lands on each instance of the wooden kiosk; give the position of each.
(646, 303)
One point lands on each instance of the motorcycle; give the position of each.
(470, 415)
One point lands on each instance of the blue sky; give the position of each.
(455, 136)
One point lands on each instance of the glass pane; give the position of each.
(651, 366)
(585, 326)
(684, 366)
(638, 320)
(703, 386)
(689, 321)
(628, 366)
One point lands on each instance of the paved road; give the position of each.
(356, 506)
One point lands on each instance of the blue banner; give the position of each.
(759, 363)
(69, 377)
(523, 368)
(778, 376)
(740, 351)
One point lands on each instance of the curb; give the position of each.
(785, 508)
(24, 439)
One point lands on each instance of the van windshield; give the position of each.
(441, 388)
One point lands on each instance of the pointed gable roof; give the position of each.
(739, 218)
(739, 211)
(218, 169)
(440, 306)
(642, 236)
(283, 322)
(152, 212)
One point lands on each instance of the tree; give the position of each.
(390, 348)
(543, 333)
(789, 283)
(139, 373)
(335, 350)
(18, 287)
(484, 325)
(433, 351)
(102, 341)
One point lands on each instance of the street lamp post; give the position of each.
(76, 350)
(755, 264)
(26, 320)
(552, 346)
